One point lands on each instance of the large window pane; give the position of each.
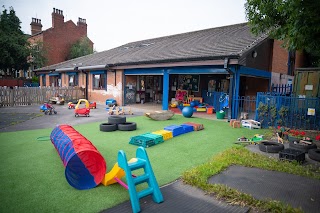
(99, 81)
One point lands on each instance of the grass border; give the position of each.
(199, 176)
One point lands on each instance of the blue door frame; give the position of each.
(234, 70)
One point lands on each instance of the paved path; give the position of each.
(29, 117)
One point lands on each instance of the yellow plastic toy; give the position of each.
(116, 172)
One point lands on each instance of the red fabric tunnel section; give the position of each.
(84, 165)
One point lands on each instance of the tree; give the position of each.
(38, 55)
(295, 22)
(13, 43)
(81, 48)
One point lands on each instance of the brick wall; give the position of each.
(300, 59)
(58, 39)
(114, 91)
(279, 58)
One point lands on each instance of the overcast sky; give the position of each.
(117, 22)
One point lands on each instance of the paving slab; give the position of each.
(299, 192)
(179, 197)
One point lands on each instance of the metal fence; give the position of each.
(293, 112)
(271, 109)
(244, 105)
(19, 96)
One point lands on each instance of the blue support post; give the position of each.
(236, 94)
(165, 96)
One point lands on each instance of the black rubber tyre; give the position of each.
(271, 147)
(115, 119)
(304, 148)
(128, 126)
(106, 127)
(314, 154)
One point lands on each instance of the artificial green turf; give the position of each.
(32, 174)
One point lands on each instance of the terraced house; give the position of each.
(57, 40)
(225, 60)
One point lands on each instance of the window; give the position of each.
(55, 81)
(73, 80)
(43, 80)
(99, 81)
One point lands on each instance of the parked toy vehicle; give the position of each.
(93, 105)
(111, 102)
(48, 109)
(57, 100)
(72, 105)
(82, 111)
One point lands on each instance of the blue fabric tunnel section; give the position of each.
(84, 165)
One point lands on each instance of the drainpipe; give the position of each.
(289, 63)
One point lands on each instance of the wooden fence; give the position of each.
(20, 96)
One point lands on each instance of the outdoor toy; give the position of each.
(85, 167)
(140, 162)
(57, 100)
(124, 168)
(72, 105)
(111, 102)
(251, 124)
(48, 109)
(160, 115)
(82, 111)
(187, 112)
(256, 139)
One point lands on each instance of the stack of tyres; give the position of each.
(116, 122)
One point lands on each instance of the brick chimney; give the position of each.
(82, 25)
(36, 26)
(57, 18)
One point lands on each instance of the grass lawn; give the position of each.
(32, 173)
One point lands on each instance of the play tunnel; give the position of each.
(84, 165)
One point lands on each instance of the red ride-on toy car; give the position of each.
(82, 111)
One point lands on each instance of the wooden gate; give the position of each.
(307, 82)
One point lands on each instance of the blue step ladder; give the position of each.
(140, 162)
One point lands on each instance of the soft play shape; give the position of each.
(85, 167)
(193, 103)
(187, 112)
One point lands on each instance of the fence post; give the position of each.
(11, 95)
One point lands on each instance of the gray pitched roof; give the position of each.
(215, 43)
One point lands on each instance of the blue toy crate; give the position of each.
(187, 128)
(143, 141)
(175, 129)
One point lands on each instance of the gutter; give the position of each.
(93, 67)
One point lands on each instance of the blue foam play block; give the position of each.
(187, 128)
(175, 129)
